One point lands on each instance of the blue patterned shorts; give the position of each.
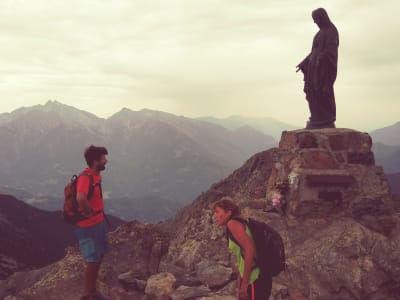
(93, 241)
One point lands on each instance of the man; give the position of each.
(320, 70)
(92, 231)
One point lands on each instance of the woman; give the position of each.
(252, 284)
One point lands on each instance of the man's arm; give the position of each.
(87, 211)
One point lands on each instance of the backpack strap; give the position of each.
(229, 234)
(92, 185)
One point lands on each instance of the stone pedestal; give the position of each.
(330, 172)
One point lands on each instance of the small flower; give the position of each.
(276, 199)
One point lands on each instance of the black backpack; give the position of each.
(269, 246)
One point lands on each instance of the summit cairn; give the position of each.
(330, 173)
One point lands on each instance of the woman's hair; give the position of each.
(226, 203)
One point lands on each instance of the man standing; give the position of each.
(92, 231)
(320, 70)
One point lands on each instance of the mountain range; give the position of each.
(154, 157)
(388, 157)
(268, 126)
(387, 147)
(388, 135)
(157, 160)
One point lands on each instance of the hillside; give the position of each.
(394, 181)
(388, 135)
(388, 157)
(339, 216)
(32, 238)
(29, 237)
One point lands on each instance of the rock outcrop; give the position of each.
(135, 256)
(336, 216)
(332, 173)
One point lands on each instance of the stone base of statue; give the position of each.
(319, 125)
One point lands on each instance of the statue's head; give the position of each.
(321, 18)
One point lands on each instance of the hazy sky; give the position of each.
(197, 57)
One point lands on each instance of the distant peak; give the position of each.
(52, 102)
(149, 111)
(124, 111)
(157, 113)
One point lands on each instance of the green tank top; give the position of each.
(235, 248)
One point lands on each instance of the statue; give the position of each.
(320, 69)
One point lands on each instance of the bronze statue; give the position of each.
(320, 69)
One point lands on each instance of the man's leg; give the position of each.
(91, 274)
(93, 245)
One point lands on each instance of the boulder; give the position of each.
(160, 286)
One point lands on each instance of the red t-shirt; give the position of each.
(95, 201)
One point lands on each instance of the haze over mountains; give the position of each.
(388, 135)
(268, 126)
(387, 147)
(156, 159)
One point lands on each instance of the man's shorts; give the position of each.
(93, 241)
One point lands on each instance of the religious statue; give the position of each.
(320, 70)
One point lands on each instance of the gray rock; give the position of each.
(186, 292)
(212, 274)
(160, 286)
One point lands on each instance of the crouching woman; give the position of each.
(252, 284)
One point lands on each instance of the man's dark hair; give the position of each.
(93, 153)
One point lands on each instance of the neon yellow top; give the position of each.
(235, 248)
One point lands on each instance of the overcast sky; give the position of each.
(197, 57)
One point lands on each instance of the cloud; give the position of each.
(198, 57)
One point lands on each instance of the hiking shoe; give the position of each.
(95, 296)
(99, 296)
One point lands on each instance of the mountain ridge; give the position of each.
(266, 125)
(388, 135)
(151, 153)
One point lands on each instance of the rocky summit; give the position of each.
(320, 189)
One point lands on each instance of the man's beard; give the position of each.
(101, 168)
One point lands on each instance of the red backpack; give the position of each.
(71, 214)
